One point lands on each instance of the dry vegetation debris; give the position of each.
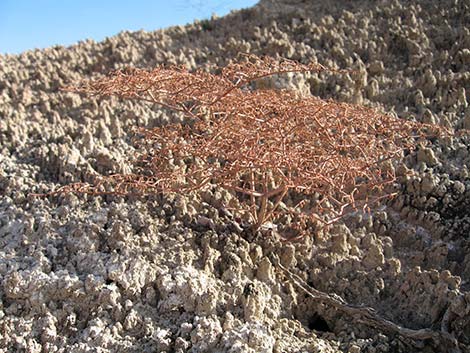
(259, 143)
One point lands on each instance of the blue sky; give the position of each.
(29, 24)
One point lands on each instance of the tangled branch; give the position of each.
(260, 144)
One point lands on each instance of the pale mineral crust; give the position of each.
(176, 273)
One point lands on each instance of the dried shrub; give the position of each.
(259, 144)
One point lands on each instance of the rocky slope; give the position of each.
(174, 274)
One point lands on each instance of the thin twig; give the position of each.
(368, 316)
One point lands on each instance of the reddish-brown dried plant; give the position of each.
(259, 144)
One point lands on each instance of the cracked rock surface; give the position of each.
(174, 273)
